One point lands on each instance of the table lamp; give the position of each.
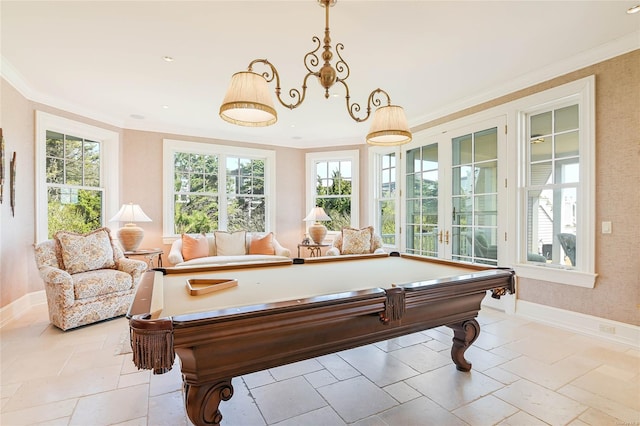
(317, 231)
(130, 235)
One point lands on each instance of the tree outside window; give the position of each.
(74, 191)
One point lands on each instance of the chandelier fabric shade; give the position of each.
(389, 127)
(248, 101)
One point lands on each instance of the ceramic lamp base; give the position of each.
(130, 236)
(317, 232)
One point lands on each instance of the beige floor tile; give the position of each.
(357, 398)
(552, 376)
(39, 414)
(167, 382)
(377, 365)
(542, 403)
(609, 406)
(322, 416)
(421, 358)
(134, 379)
(522, 419)
(167, 410)
(320, 378)
(51, 389)
(282, 400)
(597, 417)
(370, 421)
(402, 392)
(487, 410)
(337, 366)
(259, 378)
(112, 407)
(421, 411)
(451, 388)
(295, 369)
(241, 409)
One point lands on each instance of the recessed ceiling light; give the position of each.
(167, 58)
(634, 9)
(137, 116)
(165, 106)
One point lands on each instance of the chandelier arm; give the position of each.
(311, 60)
(341, 66)
(373, 101)
(272, 73)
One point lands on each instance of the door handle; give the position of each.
(440, 237)
(453, 215)
(446, 237)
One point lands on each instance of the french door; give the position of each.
(455, 188)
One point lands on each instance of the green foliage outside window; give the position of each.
(74, 195)
(334, 196)
(197, 185)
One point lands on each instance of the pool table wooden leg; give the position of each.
(464, 334)
(202, 401)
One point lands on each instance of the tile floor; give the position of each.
(523, 373)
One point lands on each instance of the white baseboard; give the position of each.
(20, 306)
(614, 331)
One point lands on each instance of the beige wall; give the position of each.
(616, 295)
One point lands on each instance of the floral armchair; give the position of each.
(87, 278)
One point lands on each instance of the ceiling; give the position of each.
(104, 60)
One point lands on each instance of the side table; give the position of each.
(314, 249)
(148, 254)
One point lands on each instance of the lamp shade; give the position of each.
(317, 214)
(130, 235)
(130, 213)
(389, 127)
(248, 101)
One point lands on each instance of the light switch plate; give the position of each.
(606, 227)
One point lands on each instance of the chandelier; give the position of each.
(249, 103)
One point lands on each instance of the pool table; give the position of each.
(290, 310)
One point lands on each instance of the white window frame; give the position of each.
(109, 165)
(375, 157)
(171, 146)
(312, 158)
(581, 92)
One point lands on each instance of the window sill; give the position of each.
(556, 275)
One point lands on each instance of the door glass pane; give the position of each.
(486, 176)
(486, 210)
(462, 180)
(430, 157)
(462, 150)
(462, 211)
(388, 221)
(430, 184)
(422, 200)
(461, 243)
(486, 145)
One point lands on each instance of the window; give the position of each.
(332, 182)
(557, 185)
(422, 178)
(216, 187)
(553, 160)
(74, 190)
(386, 199)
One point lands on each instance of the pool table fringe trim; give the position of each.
(152, 344)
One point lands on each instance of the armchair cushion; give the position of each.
(85, 252)
(99, 282)
(357, 241)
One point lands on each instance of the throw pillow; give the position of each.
(357, 241)
(194, 247)
(230, 243)
(85, 252)
(262, 245)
